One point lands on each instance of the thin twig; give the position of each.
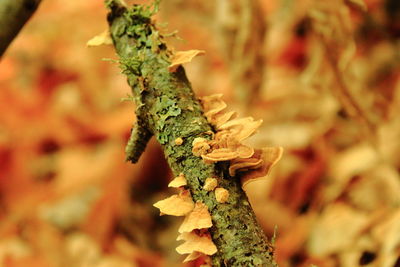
(13, 16)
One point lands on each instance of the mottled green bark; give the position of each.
(168, 109)
(13, 15)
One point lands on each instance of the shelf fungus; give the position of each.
(270, 156)
(103, 38)
(196, 242)
(178, 141)
(194, 228)
(176, 205)
(198, 218)
(182, 57)
(178, 181)
(200, 146)
(210, 184)
(227, 145)
(193, 256)
(221, 194)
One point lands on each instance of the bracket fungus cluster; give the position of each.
(167, 108)
(193, 229)
(227, 145)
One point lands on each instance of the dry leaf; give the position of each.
(178, 181)
(199, 218)
(335, 230)
(183, 57)
(193, 242)
(387, 234)
(221, 195)
(348, 163)
(103, 38)
(176, 205)
(359, 3)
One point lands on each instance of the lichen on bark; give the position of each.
(168, 109)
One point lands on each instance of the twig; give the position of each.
(345, 97)
(13, 15)
(168, 109)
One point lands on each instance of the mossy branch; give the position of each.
(13, 15)
(168, 109)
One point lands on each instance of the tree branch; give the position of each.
(13, 15)
(169, 110)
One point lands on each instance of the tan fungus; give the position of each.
(270, 156)
(221, 154)
(178, 141)
(210, 184)
(193, 242)
(221, 195)
(182, 57)
(244, 165)
(199, 218)
(178, 181)
(103, 38)
(193, 256)
(176, 205)
(200, 146)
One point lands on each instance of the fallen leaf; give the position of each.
(359, 3)
(335, 230)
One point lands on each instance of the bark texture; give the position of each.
(13, 15)
(168, 109)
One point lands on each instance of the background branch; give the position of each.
(13, 15)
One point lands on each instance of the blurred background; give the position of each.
(323, 75)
